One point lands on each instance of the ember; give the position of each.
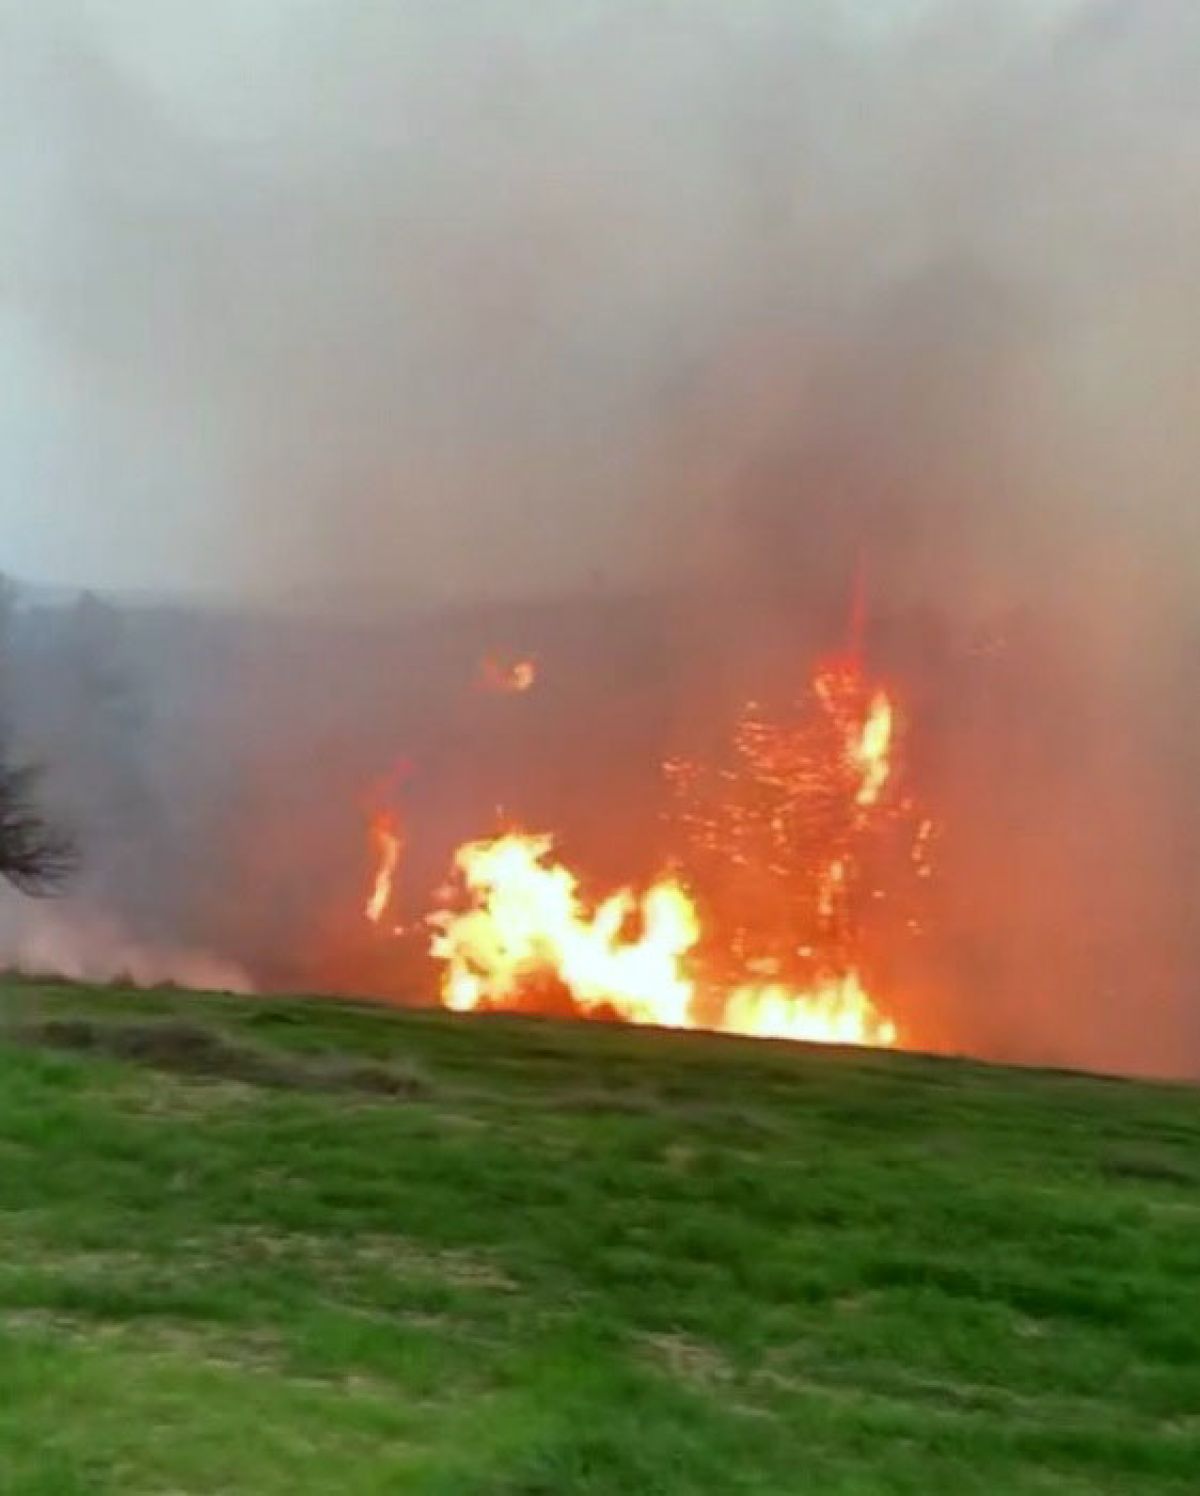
(507, 676)
(783, 837)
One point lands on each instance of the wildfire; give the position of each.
(759, 927)
(507, 676)
(528, 934)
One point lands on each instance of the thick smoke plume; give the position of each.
(622, 333)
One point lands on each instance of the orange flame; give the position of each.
(526, 927)
(867, 738)
(387, 840)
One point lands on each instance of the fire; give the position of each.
(867, 738)
(837, 1010)
(872, 749)
(507, 676)
(387, 842)
(528, 927)
(760, 926)
(784, 835)
(527, 931)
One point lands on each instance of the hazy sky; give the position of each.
(418, 299)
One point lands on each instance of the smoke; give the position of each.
(86, 944)
(487, 303)
(440, 301)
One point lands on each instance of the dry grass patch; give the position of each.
(399, 1255)
(688, 1360)
(180, 1047)
(197, 1343)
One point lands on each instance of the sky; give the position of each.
(331, 299)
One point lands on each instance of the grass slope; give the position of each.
(309, 1248)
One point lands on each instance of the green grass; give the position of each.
(308, 1247)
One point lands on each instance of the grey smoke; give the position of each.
(426, 300)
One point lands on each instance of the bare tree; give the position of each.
(36, 857)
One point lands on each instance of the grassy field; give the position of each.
(305, 1247)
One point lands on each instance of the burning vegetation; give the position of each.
(766, 917)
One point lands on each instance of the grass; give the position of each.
(307, 1247)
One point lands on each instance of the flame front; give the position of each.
(837, 1010)
(527, 929)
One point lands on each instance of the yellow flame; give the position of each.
(872, 750)
(526, 924)
(835, 1010)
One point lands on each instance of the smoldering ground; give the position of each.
(350, 310)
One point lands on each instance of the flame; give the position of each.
(387, 841)
(867, 736)
(872, 749)
(836, 1010)
(507, 676)
(527, 928)
(528, 925)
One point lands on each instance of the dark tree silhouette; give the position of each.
(36, 857)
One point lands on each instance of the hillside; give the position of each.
(305, 1247)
